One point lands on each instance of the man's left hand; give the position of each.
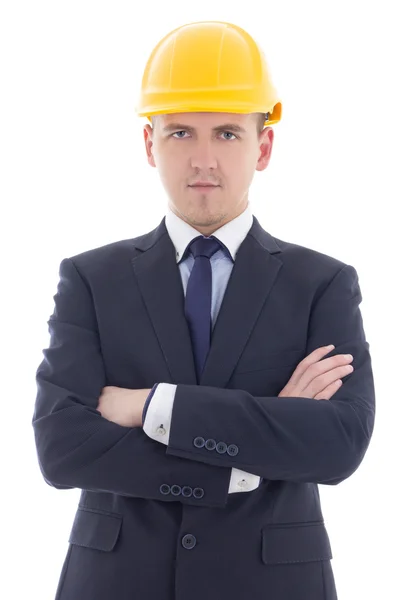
(122, 405)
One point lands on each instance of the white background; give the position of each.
(74, 176)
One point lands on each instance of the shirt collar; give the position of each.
(231, 234)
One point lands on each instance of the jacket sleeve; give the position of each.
(76, 446)
(289, 438)
(156, 424)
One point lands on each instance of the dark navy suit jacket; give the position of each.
(119, 320)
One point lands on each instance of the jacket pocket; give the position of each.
(295, 543)
(95, 529)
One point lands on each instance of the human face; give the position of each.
(224, 149)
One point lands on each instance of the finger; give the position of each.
(309, 360)
(333, 362)
(318, 383)
(329, 369)
(329, 391)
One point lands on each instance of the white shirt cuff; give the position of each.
(241, 481)
(157, 423)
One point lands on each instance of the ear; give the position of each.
(148, 141)
(266, 141)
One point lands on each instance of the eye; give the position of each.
(183, 131)
(230, 133)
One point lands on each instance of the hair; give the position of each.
(260, 121)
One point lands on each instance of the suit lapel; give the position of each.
(159, 280)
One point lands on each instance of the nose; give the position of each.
(202, 156)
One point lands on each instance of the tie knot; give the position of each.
(202, 246)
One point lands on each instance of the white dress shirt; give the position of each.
(157, 423)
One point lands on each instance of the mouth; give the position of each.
(203, 188)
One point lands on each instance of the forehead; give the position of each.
(206, 119)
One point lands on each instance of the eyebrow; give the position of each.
(224, 127)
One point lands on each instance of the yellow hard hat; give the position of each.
(208, 66)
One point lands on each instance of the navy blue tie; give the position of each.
(198, 298)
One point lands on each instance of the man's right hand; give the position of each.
(316, 378)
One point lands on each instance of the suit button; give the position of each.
(221, 447)
(189, 541)
(210, 444)
(187, 491)
(176, 490)
(165, 489)
(198, 492)
(199, 442)
(232, 450)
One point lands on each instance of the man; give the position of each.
(189, 388)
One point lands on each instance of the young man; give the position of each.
(189, 389)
